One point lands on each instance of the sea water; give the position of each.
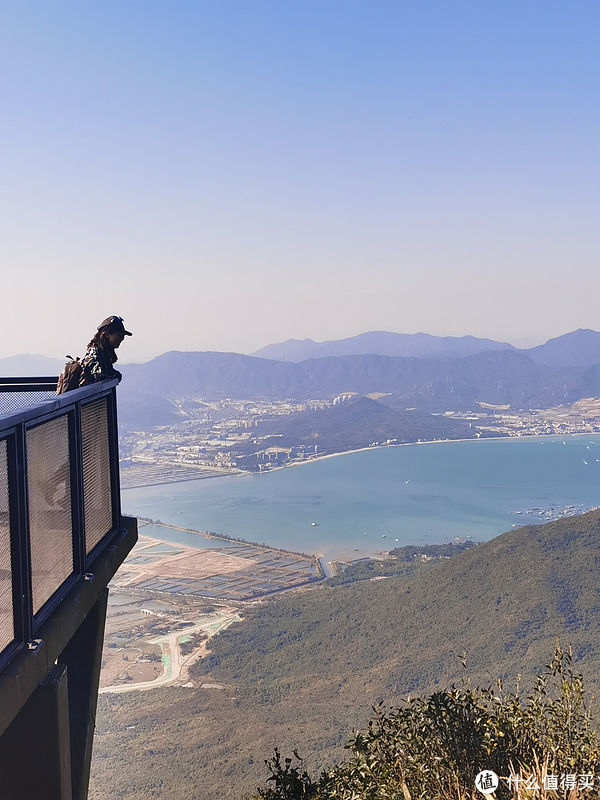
(376, 499)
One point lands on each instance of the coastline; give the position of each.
(224, 538)
(425, 441)
(314, 543)
(244, 473)
(324, 565)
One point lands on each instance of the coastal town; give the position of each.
(213, 438)
(236, 436)
(169, 599)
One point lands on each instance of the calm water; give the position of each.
(418, 494)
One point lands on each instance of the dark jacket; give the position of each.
(98, 365)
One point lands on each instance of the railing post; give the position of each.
(113, 436)
(77, 499)
(19, 522)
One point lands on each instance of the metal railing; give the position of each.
(19, 393)
(59, 497)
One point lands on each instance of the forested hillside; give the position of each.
(502, 602)
(302, 670)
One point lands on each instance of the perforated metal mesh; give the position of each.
(17, 401)
(50, 522)
(97, 501)
(7, 631)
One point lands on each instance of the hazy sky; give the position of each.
(229, 174)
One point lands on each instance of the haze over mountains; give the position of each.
(449, 373)
(496, 376)
(381, 343)
(579, 348)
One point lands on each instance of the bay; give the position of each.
(372, 500)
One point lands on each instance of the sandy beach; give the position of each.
(398, 444)
(242, 473)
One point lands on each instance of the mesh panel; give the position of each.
(50, 524)
(96, 472)
(7, 631)
(17, 401)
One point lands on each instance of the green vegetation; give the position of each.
(359, 422)
(372, 568)
(432, 748)
(405, 561)
(445, 550)
(190, 644)
(502, 602)
(302, 670)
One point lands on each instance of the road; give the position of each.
(174, 663)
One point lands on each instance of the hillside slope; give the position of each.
(580, 348)
(502, 602)
(301, 671)
(431, 384)
(358, 422)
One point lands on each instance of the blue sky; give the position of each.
(229, 174)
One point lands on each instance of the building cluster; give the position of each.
(242, 435)
(580, 417)
(223, 435)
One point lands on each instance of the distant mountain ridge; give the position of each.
(430, 384)
(382, 343)
(579, 348)
(561, 371)
(358, 422)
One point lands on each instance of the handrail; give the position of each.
(45, 382)
(60, 401)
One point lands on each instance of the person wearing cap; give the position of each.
(100, 355)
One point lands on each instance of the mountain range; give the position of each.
(381, 343)
(579, 348)
(359, 422)
(495, 376)
(563, 370)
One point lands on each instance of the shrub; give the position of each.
(431, 748)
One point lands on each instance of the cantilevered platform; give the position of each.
(62, 538)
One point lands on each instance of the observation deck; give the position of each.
(62, 538)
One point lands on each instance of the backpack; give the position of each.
(73, 376)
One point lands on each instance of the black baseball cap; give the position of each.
(114, 325)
